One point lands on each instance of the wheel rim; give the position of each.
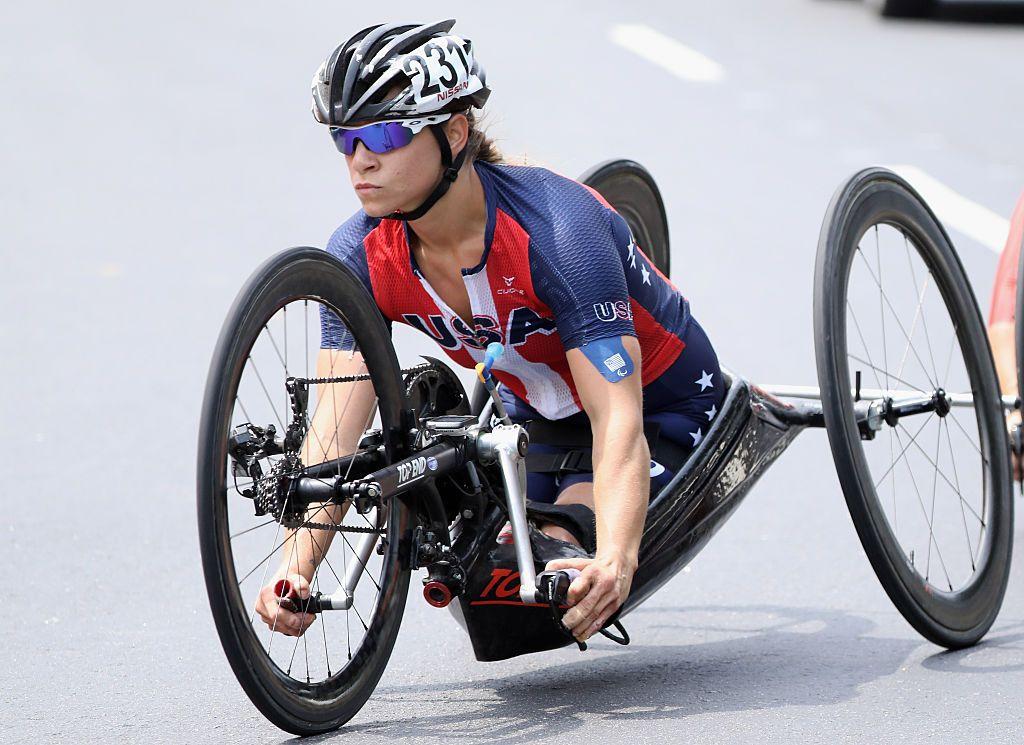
(306, 660)
(925, 469)
(960, 617)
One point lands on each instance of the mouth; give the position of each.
(364, 186)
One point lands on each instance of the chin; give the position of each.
(374, 208)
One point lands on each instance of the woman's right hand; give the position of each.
(281, 619)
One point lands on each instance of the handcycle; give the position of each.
(916, 431)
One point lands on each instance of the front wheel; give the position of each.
(912, 408)
(255, 415)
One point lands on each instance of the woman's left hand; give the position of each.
(597, 593)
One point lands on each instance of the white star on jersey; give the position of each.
(711, 412)
(697, 436)
(646, 274)
(705, 380)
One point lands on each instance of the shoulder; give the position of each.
(347, 244)
(564, 219)
(347, 241)
(542, 194)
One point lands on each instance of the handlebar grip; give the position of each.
(289, 599)
(554, 585)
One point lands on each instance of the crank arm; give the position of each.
(507, 445)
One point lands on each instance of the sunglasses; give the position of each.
(382, 137)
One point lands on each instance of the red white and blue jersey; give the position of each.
(560, 270)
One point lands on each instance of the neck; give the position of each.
(459, 216)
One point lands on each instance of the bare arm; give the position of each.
(341, 413)
(621, 491)
(622, 470)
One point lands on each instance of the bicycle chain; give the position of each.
(355, 378)
(271, 493)
(271, 497)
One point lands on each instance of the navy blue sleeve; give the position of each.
(346, 244)
(577, 266)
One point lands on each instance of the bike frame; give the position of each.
(755, 426)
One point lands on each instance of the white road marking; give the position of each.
(666, 52)
(957, 211)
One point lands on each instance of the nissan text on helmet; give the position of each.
(429, 73)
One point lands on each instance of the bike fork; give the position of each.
(507, 444)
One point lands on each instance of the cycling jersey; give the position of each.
(560, 270)
(1004, 292)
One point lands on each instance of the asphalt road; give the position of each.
(154, 154)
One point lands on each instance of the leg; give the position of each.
(580, 491)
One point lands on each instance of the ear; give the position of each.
(457, 131)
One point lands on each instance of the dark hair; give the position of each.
(480, 146)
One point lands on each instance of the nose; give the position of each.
(363, 159)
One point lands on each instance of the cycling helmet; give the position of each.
(427, 70)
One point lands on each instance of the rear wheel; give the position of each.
(631, 190)
(247, 527)
(922, 456)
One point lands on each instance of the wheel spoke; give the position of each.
(864, 345)
(968, 436)
(956, 477)
(267, 394)
(897, 379)
(935, 483)
(896, 318)
(940, 473)
(924, 512)
(881, 309)
(924, 321)
(899, 457)
(259, 382)
(254, 527)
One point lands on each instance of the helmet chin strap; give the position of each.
(451, 172)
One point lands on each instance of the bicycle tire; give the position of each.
(877, 196)
(296, 707)
(631, 190)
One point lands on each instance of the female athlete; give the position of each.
(470, 250)
(1002, 316)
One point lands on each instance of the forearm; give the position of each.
(305, 548)
(622, 479)
(341, 413)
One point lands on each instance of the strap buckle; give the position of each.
(571, 461)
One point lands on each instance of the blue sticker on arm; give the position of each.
(610, 357)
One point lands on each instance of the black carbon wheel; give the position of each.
(317, 681)
(923, 456)
(631, 190)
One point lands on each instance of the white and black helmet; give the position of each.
(435, 69)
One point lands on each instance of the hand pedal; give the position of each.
(553, 586)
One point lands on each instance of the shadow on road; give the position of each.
(973, 659)
(771, 657)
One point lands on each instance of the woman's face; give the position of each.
(399, 180)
